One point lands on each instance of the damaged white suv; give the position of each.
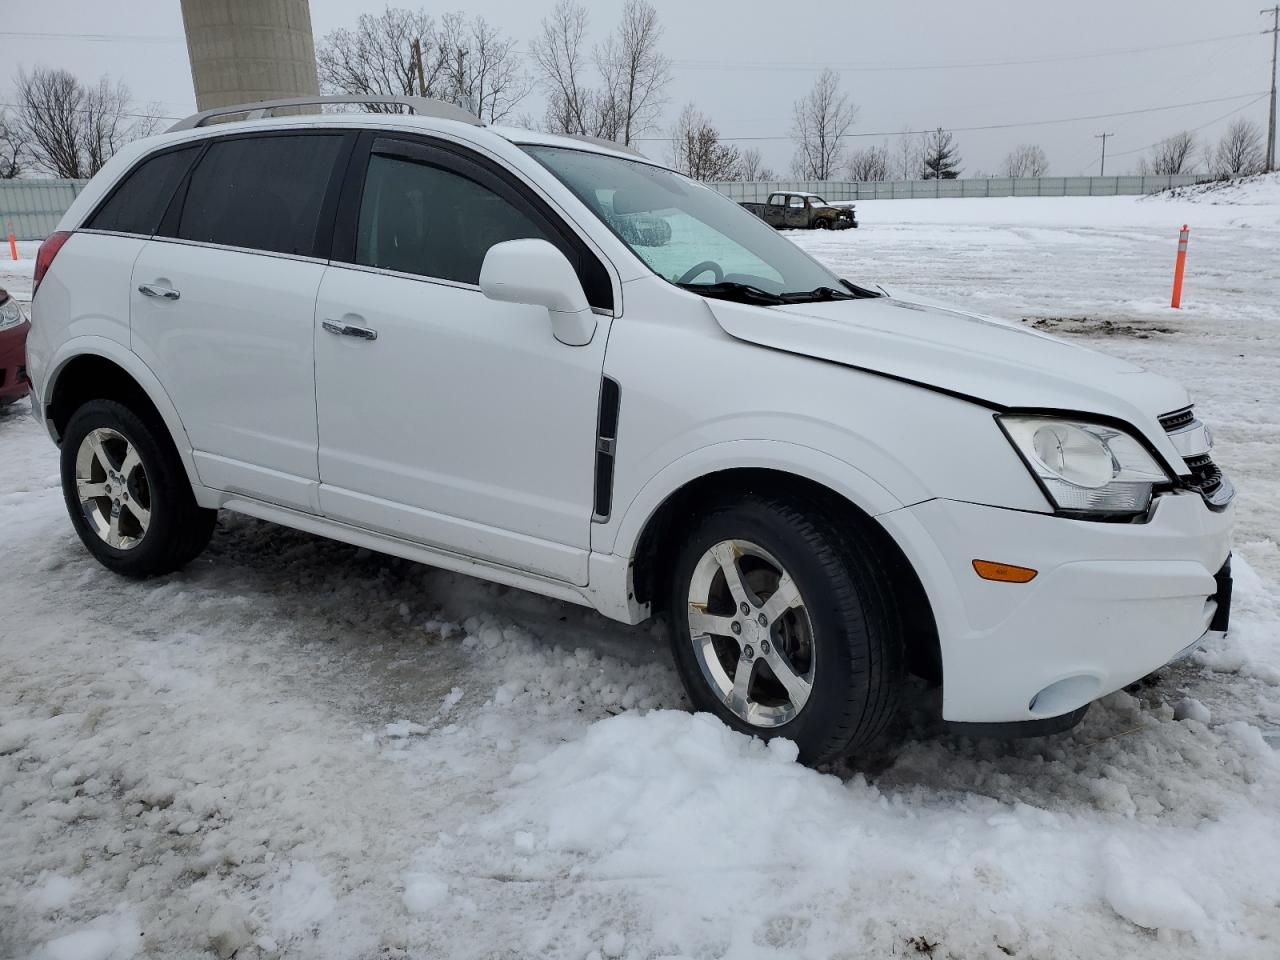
(555, 364)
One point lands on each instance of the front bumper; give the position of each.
(1111, 601)
(13, 362)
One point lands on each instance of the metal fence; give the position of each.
(32, 208)
(758, 191)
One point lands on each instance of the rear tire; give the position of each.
(840, 636)
(128, 494)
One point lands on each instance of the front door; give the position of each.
(445, 417)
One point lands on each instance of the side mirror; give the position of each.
(534, 272)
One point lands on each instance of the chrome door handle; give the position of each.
(164, 293)
(349, 330)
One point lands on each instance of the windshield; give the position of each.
(686, 232)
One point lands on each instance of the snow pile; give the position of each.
(1260, 190)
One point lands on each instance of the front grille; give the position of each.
(1177, 419)
(1206, 477)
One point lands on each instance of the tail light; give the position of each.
(44, 257)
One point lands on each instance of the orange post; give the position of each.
(1178, 267)
(13, 244)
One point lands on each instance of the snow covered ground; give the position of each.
(299, 749)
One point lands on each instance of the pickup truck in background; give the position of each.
(793, 210)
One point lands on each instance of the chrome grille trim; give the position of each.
(1177, 418)
(1193, 441)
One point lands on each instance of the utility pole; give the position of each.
(1271, 124)
(417, 58)
(1102, 168)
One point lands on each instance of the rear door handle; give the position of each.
(349, 330)
(164, 293)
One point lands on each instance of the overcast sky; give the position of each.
(906, 64)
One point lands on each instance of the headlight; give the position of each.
(1086, 467)
(10, 314)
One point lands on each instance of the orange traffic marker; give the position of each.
(13, 244)
(1178, 267)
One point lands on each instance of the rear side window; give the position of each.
(263, 193)
(138, 203)
(419, 218)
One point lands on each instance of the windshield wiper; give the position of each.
(733, 290)
(816, 295)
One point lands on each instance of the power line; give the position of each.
(1005, 126)
(1232, 112)
(860, 66)
(852, 66)
(94, 37)
(133, 116)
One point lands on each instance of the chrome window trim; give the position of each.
(404, 275)
(250, 250)
(423, 278)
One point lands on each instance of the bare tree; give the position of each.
(558, 52)
(481, 65)
(908, 156)
(1239, 152)
(869, 164)
(751, 166)
(1174, 155)
(821, 118)
(1025, 160)
(635, 71)
(464, 60)
(697, 150)
(69, 129)
(632, 72)
(377, 56)
(941, 156)
(12, 152)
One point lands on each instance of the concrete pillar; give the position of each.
(247, 50)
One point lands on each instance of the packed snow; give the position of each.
(295, 748)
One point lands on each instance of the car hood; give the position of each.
(987, 360)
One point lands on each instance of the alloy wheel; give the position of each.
(112, 488)
(751, 633)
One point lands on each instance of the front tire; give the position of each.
(128, 494)
(783, 624)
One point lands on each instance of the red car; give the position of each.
(13, 350)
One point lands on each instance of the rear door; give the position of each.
(223, 306)
(445, 417)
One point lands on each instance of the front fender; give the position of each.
(843, 478)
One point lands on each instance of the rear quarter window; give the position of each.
(140, 199)
(261, 193)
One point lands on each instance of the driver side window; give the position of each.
(419, 218)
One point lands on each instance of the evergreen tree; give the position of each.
(941, 156)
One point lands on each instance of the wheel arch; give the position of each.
(653, 549)
(94, 368)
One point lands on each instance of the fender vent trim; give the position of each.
(606, 448)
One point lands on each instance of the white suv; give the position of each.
(555, 364)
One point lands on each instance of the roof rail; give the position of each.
(419, 106)
(611, 144)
